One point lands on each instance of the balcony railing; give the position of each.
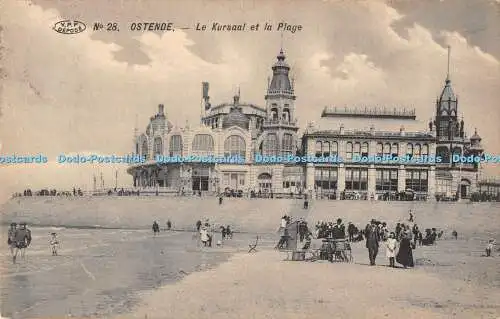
(280, 92)
(280, 122)
(365, 111)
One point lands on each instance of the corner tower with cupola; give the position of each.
(455, 177)
(280, 128)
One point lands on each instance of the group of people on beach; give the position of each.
(18, 240)
(399, 243)
(206, 233)
(156, 227)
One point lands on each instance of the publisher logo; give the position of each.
(69, 27)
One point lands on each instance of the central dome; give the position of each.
(236, 118)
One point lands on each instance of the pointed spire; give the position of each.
(448, 69)
(136, 131)
(281, 43)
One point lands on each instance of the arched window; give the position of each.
(395, 149)
(271, 146)
(287, 144)
(274, 112)
(319, 149)
(334, 148)
(175, 145)
(144, 150)
(417, 151)
(235, 146)
(409, 149)
(380, 149)
(286, 115)
(203, 144)
(365, 149)
(444, 153)
(326, 149)
(425, 149)
(158, 146)
(348, 150)
(357, 149)
(457, 151)
(387, 149)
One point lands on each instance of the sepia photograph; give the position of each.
(250, 159)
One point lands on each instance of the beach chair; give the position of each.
(252, 247)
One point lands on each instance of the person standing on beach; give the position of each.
(489, 247)
(411, 219)
(391, 245)
(22, 239)
(11, 238)
(405, 253)
(156, 228)
(54, 243)
(372, 240)
(169, 224)
(204, 236)
(198, 225)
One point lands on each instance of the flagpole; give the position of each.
(201, 103)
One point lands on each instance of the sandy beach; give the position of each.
(451, 279)
(447, 282)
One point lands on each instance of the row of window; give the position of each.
(203, 145)
(214, 122)
(271, 145)
(356, 179)
(444, 152)
(331, 148)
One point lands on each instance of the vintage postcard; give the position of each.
(250, 159)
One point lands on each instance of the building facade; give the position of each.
(343, 161)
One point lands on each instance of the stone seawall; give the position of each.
(248, 215)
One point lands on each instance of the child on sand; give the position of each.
(489, 247)
(391, 245)
(54, 243)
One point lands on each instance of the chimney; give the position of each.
(160, 109)
(372, 129)
(342, 129)
(402, 130)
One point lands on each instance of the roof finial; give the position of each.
(281, 43)
(448, 70)
(135, 126)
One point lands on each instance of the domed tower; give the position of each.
(280, 127)
(475, 147)
(235, 117)
(449, 130)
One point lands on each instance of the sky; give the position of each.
(86, 92)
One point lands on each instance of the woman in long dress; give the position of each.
(405, 254)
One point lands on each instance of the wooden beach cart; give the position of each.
(293, 246)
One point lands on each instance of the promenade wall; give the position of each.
(247, 215)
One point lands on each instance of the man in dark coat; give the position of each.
(338, 231)
(372, 239)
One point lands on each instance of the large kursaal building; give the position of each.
(349, 133)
